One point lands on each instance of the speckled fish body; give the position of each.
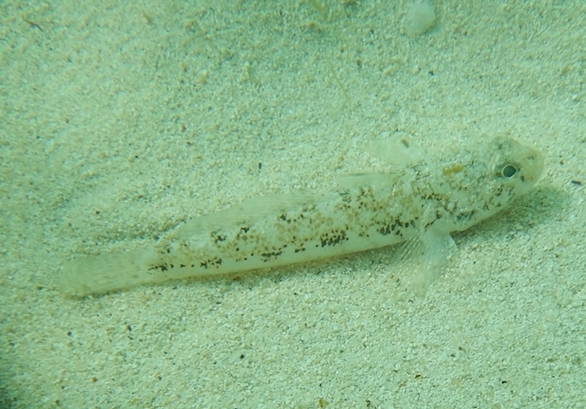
(422, 202)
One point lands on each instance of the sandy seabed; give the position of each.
(120, 120)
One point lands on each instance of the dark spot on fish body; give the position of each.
(268, 256)
(219, 237)
(395, 227)
(332, 238)
(385, 230)
(465, 215)
(163, 267)
(213, 262)
(241, 235)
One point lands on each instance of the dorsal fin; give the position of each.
(397, 151)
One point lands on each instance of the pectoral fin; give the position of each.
(428, 254)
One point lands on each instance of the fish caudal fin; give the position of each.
(109, 272)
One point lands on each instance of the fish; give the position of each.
(419, 201)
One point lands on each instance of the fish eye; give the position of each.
(508, 171)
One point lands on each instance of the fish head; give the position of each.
(487, 177)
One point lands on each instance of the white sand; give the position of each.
(119, 122)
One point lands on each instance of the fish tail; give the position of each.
(103, 273)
